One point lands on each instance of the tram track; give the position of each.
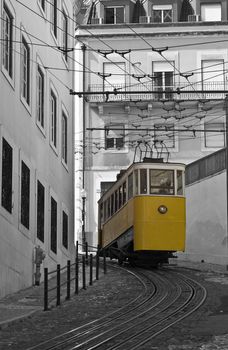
(167, 298)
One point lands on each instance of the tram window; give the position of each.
(179, 182)
(161, 181)
(143, 181)
(105, 211)
(109, 207)
(130, 186)
(120, 196)
(136, 181)
(101, 213)
(116, 201)
(124, 192)
(112, 204)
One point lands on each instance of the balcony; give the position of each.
(149, 92)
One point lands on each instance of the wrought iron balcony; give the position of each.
(151, 92)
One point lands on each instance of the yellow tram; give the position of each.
(142, 216)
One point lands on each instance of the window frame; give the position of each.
(115, 17)
(40, 101)
(9, 207)
(25, 71)
(25, 197)
(7, 68)
(53, 115)
(41, 236)
(54, 18)
(65, 29)
(64, 138)
(115, 147)
(211, 123)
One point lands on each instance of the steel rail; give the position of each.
(103, 318)
(174, 313)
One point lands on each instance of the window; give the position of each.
(136, 177)
(7, 42)
(162, 13)
(179, 182)
(25, 71)
(130, 186)
(114, 15)
(161, 181)
(53, 225)
(42, 4)
(54, 16)
(213, 76)
(114, 138)
(114, 75)
(64, 137)
(53, 119)
(25, 194)
(163, 79)
(211, 12)
(124, 192)
(164, 134)
(40, 211)
(143, 181)
(65, 230)
(214, 139)
(7, 175)
(40, 97)
(65, 34)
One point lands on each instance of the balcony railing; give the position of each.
(149, 91)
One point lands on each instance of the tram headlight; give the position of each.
(162, 209)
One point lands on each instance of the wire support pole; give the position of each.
(226, 114)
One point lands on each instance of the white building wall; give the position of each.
(206, 233)
(32, 144)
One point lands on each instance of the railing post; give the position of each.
(58, 286)
(45, 289)
(76, 253)
(76, 275)
(68, 280)
(91, 270)
(83, 273)
(86, 252)
(97, 265)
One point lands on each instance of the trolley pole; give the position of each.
(226, 128)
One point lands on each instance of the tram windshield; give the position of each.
(161, 181)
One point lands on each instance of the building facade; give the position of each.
(36, 139)
(153, 82)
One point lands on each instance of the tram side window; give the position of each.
(101, 213)
(120, 196)
(109, 207)
(136, 177)
(112, 204)
(105, 210)
(130, 186)
(124, 192)
(143, 181)
(116, 201)
(180, 182)
(161, 181)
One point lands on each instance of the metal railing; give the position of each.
(205, 167)
(150, 91)
(58, 282)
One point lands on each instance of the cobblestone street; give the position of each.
(205, 330)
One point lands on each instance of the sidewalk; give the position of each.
(24, 303)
